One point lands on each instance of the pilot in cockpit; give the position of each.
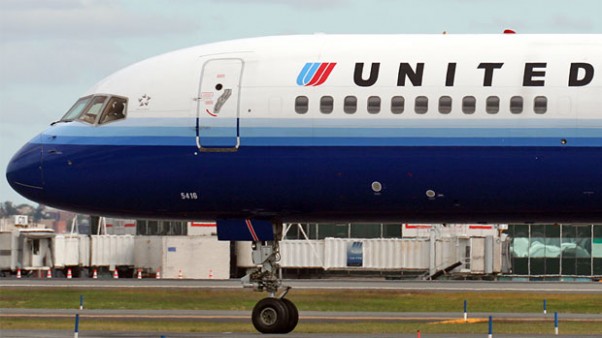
(114, 111)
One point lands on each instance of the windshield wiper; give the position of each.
(60, 121)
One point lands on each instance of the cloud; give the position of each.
(302, 4)
(48, 4)
(58, 62)
(17, 110)
(83, 19)
(566, 23)
(57, 42)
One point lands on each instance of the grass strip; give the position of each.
(306, 300)
(362, 327)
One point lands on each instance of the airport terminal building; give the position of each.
(311, 250)
(556, 250)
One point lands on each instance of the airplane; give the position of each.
(261, 131)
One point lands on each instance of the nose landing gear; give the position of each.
(274, 314)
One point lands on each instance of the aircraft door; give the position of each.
(218, 105)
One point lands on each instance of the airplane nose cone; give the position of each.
(24, 171)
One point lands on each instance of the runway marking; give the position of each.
(581, 288)
(469, 321)
(91, 315)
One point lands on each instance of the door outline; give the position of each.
(199, 100)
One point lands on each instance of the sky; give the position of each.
(52, 51)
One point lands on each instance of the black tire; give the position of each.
(270, 315)
(293, 314)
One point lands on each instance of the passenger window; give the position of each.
(493, 105)
(516, 105)
(397, 104)
(469, 104)
(540, 105)
(374, 104)
(445, 104)
(326, 104)
(350, 104)
(77, 109)
(115, 110)
(422, 105)
(301, 104)
(90, 114)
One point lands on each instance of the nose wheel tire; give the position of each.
(274, 315)
(293, 315)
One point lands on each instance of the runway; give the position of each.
(305, 316)
(316, 284)
(120, 334)
(244, 316)
(139, 334)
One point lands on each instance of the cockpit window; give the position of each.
(76, 109)
(93, 110)
(114, 110)
(89, 108)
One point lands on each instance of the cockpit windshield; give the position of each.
(90, 114)
(77, 109)
(97, 109)
(115, 110)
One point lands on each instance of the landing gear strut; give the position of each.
(273, 314)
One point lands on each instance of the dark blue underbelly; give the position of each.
(470, 184)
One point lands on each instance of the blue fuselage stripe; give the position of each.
(328, 136)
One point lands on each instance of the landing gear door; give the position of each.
(218, 105)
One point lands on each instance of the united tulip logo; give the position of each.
(315, 73)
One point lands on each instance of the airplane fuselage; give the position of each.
(468, 128)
